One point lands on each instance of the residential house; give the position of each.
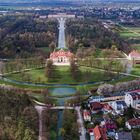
(95, 107)
(132, 98)
(138, 106)
(110, 126)
(134, 55)
(119, 107)
(107, 108)
(123, 136)
(86, 115)
(133, 123)
(100, 133)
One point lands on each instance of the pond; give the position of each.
(62, 91)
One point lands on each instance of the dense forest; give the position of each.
(89, 32)
(26, 35)
(18, 118)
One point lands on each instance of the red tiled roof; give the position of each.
(61, 52)
(107, 106)
(86, 113)
(100, 133)
(134, 54)
(134, 122)
(96, 106)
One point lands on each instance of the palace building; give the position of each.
(61, 57)
(135, 56)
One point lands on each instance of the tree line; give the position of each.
(108, 89)
(18, 118)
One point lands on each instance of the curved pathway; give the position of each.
(65, 84)
(49, 84)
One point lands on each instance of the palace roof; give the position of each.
(61, 52)
(134, 122)
(134, 54)
(100, 133)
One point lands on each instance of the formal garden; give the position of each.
(61, 75)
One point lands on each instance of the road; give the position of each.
(81, 124)
(39, 110)
(61, 39)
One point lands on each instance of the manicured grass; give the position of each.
(135, 29)
(38, 96)
(63, 75)
(136, 70)
(53, 135)
(129, 34)
(124, 79)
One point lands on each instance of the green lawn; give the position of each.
(135, 29)
(124, 79)
(45, 49)
(136, 70)
(129, 34)
(63, 75)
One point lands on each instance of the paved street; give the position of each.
(81, 124)
(39, 110)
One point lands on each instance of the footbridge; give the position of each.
(52, 107)
(61, 107)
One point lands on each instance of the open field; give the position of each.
(129, 35)
(129, 32)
